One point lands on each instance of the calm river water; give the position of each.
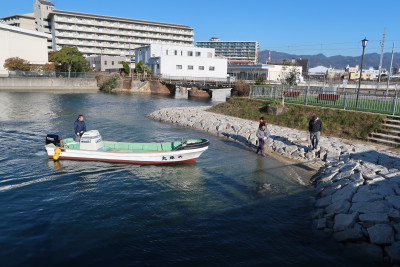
(211, 213)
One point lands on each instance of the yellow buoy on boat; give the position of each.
(57, 154)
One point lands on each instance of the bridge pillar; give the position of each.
(220, 94)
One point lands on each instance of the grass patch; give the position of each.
(338, 123)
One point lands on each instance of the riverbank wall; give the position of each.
(12, 84)
(357, 186)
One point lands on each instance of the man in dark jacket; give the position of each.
(79, 128)
(315, 129)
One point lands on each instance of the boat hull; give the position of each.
(159, 157)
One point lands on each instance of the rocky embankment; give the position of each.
(357, 186)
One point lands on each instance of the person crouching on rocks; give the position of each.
(262, 134)
(315, 129)
(79, 128)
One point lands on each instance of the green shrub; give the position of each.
(110, 83)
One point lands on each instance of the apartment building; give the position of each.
(237, 52)
(186, 62)
(105, 35)
(25, 21)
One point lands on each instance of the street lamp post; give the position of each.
(364, 44)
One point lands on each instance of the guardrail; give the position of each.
(50, 74)
(387, 104)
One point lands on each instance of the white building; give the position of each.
(318, 71)
(272, 73)
(105, 63)
(26, 44)
(183, 62)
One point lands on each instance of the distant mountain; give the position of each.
(338, 62)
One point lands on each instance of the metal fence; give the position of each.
(50, 74)
(387, 104)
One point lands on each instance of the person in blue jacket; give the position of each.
(79, 128)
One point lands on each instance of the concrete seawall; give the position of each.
(48, 84)
(357, 189)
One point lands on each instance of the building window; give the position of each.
(166, 52)
(178, 67)
(209, 54)
(211, 68)
(198, 54)
(190, 53)
(105, 62)
(112, 63)
(190, 67)
(176, 52)
(201, 67)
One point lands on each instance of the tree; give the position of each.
(16, 63)
(142, 68)
(126, 67)
(70, 59)
(292, 76)
(48, 67)
(242, 88)
(260, 80)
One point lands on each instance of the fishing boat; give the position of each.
(92, 148)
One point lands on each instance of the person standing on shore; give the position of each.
(262, 121)
(315, 129)
(79, 128)
(262, 134)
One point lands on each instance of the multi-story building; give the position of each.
(105, 63)
(104, 35)
(237, 52)
(188, 62)
(26, 44)
(25, 21)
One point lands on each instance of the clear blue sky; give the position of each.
(293, 26)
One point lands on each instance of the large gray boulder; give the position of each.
(394, 200)
(366, 196)
(344, 221)
(381, 234)
(338, 207)
(351, 234)
(375, 218)
(371, 207)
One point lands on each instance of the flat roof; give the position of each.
(24, 31)
(44, 2)
(27, 15)
(71, 13)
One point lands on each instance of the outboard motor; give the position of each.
(53, 139)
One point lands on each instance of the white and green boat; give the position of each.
(92, 148)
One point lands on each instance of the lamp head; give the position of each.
(364, 42)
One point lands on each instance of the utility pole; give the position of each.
(390, 71)
(382, 49)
